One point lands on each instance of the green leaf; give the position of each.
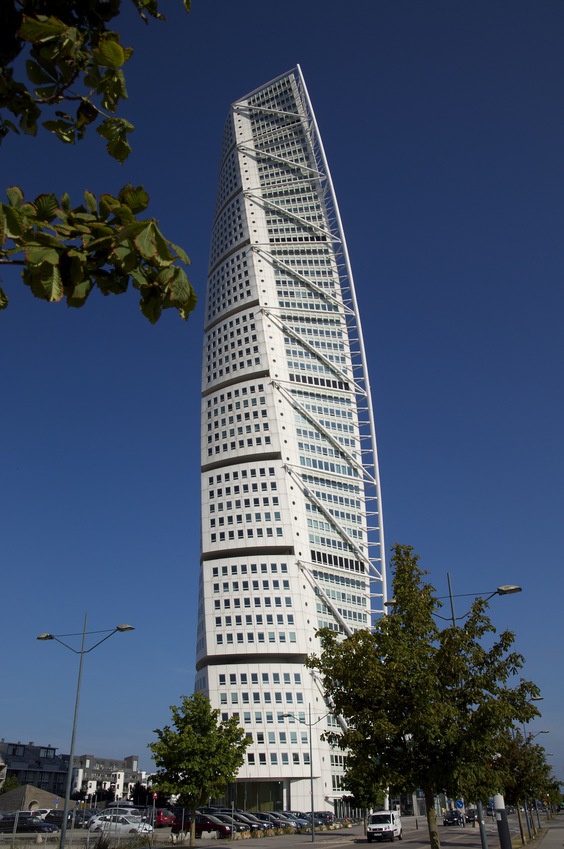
(145, 241)
(136, 198)
(151, 305)
(62, 129)
(14, 226)
(45, 282)
(126, 258)
(47, 92)
(86, 113)
(37, 74)
(112, 87)
(180, 253)
(38, 255)
(15, 195)
(28, 118)
(46, 206)
(41, 28)
(79, 293)
(90, 201)
(163, 256)
(3, 299)
(180, 290)
(115, 131)
(109, 54)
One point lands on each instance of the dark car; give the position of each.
(471, 815)
(55, 817)
(231, 821)
(204, 822)
(273, 820)
(254, 823)
(27, 825)
(453, 818)
(248, 822)
(326, 817)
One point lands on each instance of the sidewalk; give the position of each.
(553, 837)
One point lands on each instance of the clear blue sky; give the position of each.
(444, 129)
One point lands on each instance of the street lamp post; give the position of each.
(80, 652)
(531, 736)
(310, 725)
(499, 803)
(504, 589)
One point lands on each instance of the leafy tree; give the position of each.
(72, 58)
(9, 783)
(425, 708)
(359, 779)
(524, 772)
(140, 795)
(197, 756)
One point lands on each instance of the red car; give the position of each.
(163, 817)
(204, 822)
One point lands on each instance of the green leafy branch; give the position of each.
(66, 252)
(73, 56)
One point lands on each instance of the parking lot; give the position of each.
(414, 833)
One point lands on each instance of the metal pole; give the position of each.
(481, 823)
(502, 824)
(311, 775)
(73, 736)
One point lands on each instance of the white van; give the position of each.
(384, 825)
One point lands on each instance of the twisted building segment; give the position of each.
(292, 536)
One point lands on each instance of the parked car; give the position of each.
(25, 825)
(55, 817)
(275, 820)
(119, 824)
(83, 816)
(301, 821)
(247, 823)
(229, 820)
(326, 817)
(307, 816)
(124, 810)
(163, 817)
(453, 818)
(204, 822)
(110, 812)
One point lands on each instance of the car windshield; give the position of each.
(379, 818)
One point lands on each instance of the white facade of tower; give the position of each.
(292, 535)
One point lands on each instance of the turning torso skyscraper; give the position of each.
(292, 536)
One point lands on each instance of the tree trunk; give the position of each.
(518, 806)
(193, 830)
(434, 838)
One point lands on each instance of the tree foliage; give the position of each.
(425, 708)
(9, 783)
(75, 60)
(197, 756)
(524, 770)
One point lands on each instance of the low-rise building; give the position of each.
(92, 774)
(45, 768)
(41, 766)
